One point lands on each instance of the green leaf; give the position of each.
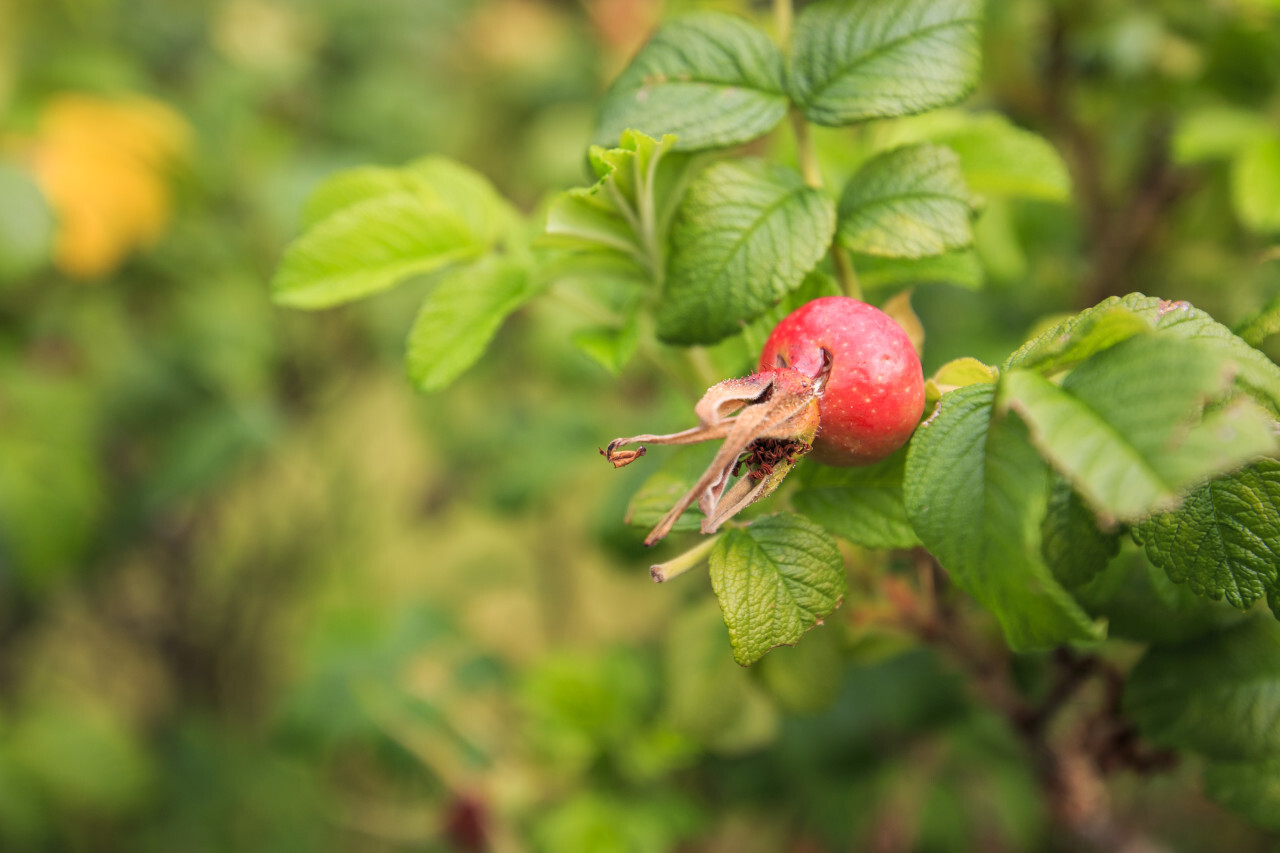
(1074, 547)
(775, 580)
(1216, 133)
(368, 248)
(1053, 348)
(910, 202)
(350, 187)
(1125, 428)
(1065, 346)
(630, 208)
(1262, 325)
(960, 268)
(1255, 185)
(748, 233)
(707, 696)
(666, 486)
(367, 229)
(1224, 540)
(456, 322)
(611, 347)
(806, 678)
(863, 505)
(1219, 696)
(1140, 603)
(1251, 788)
(710, 78)
(999, 158)
(975, 492)
(853, 60)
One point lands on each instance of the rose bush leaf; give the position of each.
(1126, 426)
(710, 78)
(459, 318)
(775, 579)
(1251, 788)
(863, 505)
(369, 228)
(1218, 696)
(1224, 540)
(629, 209)
(853, 60)
(1074, 547)
(959, 268)
(910, 202)
(746, 235)
(1254, 372)
(975, 492)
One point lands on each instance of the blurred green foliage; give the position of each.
(257, 594)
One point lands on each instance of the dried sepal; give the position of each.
(767, 421)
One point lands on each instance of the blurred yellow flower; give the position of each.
(103, 165)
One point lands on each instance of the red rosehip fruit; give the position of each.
(837, 377)
(874, 395)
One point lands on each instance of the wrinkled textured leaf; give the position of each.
(1125, 427)
(710, 78)
(1219, 696)
(1067, 345)
(1075, 549)
(853, 60)
(456, 322)
(1255, 373)
(910, 202)
(775, 580)
(1224, 540)
(748, 233)
(975, 492)
(863, 505)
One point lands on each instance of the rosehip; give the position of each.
(837, 377)
(875, 394)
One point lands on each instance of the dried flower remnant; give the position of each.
(767, 421)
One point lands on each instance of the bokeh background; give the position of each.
(257, 594)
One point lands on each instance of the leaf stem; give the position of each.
(805, 152)
(676, 566)
(845, 273)
(783, 15)
(807, 156)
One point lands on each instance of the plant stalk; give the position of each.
(676, 566)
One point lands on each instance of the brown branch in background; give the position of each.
(1119, 230)
(1074, 745)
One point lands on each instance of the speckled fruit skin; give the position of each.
(875, 394)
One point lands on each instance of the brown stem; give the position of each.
(1118, 227)
(1073, 754)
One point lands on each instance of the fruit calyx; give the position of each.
(767, 421)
